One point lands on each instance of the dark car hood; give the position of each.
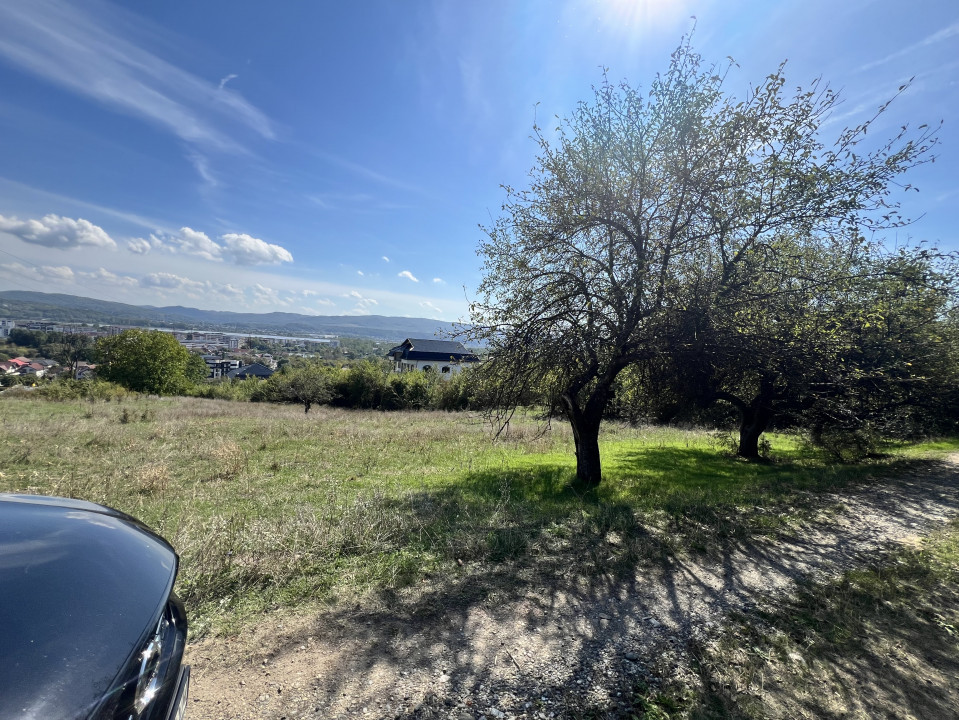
(80, 587)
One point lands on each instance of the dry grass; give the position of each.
(270, 507)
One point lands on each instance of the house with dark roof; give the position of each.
(252, 370)
(445, 357)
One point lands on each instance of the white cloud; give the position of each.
(54, 231)
(139, 246)
(229, 292)
(264, 295)
(386, 259)
(40, 274)
(169, 284)
(439, 281)
(169, 281)
(99, 51)
(325, 302)
(408, 275)
(196, 243)
(247, 250)
(102, 276)
(240, 248)
(359, 272)
(56, 273)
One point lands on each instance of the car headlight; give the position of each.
(157, 685)
(149, 679)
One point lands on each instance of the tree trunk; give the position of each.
(755, 420)
(585, 427)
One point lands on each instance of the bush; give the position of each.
(361, 386)
(457, 393)
(233, 390)
(410, 391)
(96, 390)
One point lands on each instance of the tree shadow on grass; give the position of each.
(880, 643)
(523, 551)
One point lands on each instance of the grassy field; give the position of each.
(269, 507)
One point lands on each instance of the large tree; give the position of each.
(640, 205)
(146, 361)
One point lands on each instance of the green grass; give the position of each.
(269, 507)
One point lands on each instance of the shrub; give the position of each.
(64, 389)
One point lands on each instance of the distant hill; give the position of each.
(24, 305)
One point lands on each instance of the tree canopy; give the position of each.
(657, 222)
(148, 361)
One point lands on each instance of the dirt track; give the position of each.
(465, 651)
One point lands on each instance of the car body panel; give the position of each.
(81, 589)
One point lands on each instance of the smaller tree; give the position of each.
(72, 349)
(308, 385)
(196, 368)
(145, 361)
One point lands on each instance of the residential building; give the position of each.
(252, 370)
(445, 357)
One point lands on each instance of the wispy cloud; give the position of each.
(385, 259)
(408, 275)
(427, 305)
(202, 166)
(263, 295)
(354, 202)
(363, 304)
(167, 284)
(103, 276)
(171, 281)
(82, 48)
(225, 80)
(10, 187)
(53, 231)
(939, 36)
(439, 281)
(37, 273)
(368, 173)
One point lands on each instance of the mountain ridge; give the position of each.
(60, 307)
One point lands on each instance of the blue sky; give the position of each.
(338, 158)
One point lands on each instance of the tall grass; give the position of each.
(268, 506)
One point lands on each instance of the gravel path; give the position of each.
(550, 649)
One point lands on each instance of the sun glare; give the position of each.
(634, 16)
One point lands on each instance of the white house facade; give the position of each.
(444, 357)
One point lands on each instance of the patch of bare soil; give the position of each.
(510, 644)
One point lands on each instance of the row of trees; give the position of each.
(688, 247)
(366, 385)
(154, 362)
